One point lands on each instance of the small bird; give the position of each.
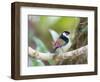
(61, 41)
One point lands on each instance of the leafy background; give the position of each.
(40, 39)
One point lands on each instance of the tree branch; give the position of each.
(47, 56)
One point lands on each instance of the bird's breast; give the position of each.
(59, 43)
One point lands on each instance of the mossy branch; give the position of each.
(47, 56)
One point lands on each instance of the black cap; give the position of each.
(67, 32)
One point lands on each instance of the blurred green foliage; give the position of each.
(58, 24)
(36, 62)
(40, 46)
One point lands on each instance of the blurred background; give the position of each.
(40, 39)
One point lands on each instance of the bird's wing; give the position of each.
(66, 47)
(54, 35)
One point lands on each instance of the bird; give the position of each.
(62, 40)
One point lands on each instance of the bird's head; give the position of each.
(66, 33)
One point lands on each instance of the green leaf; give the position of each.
(39, 45)
(51, 62)
(36, 62)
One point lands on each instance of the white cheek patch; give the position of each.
(64, 34)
